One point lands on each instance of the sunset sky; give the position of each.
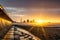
(32, 9)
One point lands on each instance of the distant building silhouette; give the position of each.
(24, 21)
(33, 20)
(27, 20)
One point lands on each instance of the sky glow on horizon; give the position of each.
(32, 9)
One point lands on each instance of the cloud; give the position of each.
(28, 11)
(17, 9)
(31, 3)
(32, 9)
(16, 13)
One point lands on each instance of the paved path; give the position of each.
(16, 33)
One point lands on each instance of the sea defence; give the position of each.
(5, 20)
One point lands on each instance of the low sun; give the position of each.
(39, 21)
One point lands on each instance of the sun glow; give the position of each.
(39, 21)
